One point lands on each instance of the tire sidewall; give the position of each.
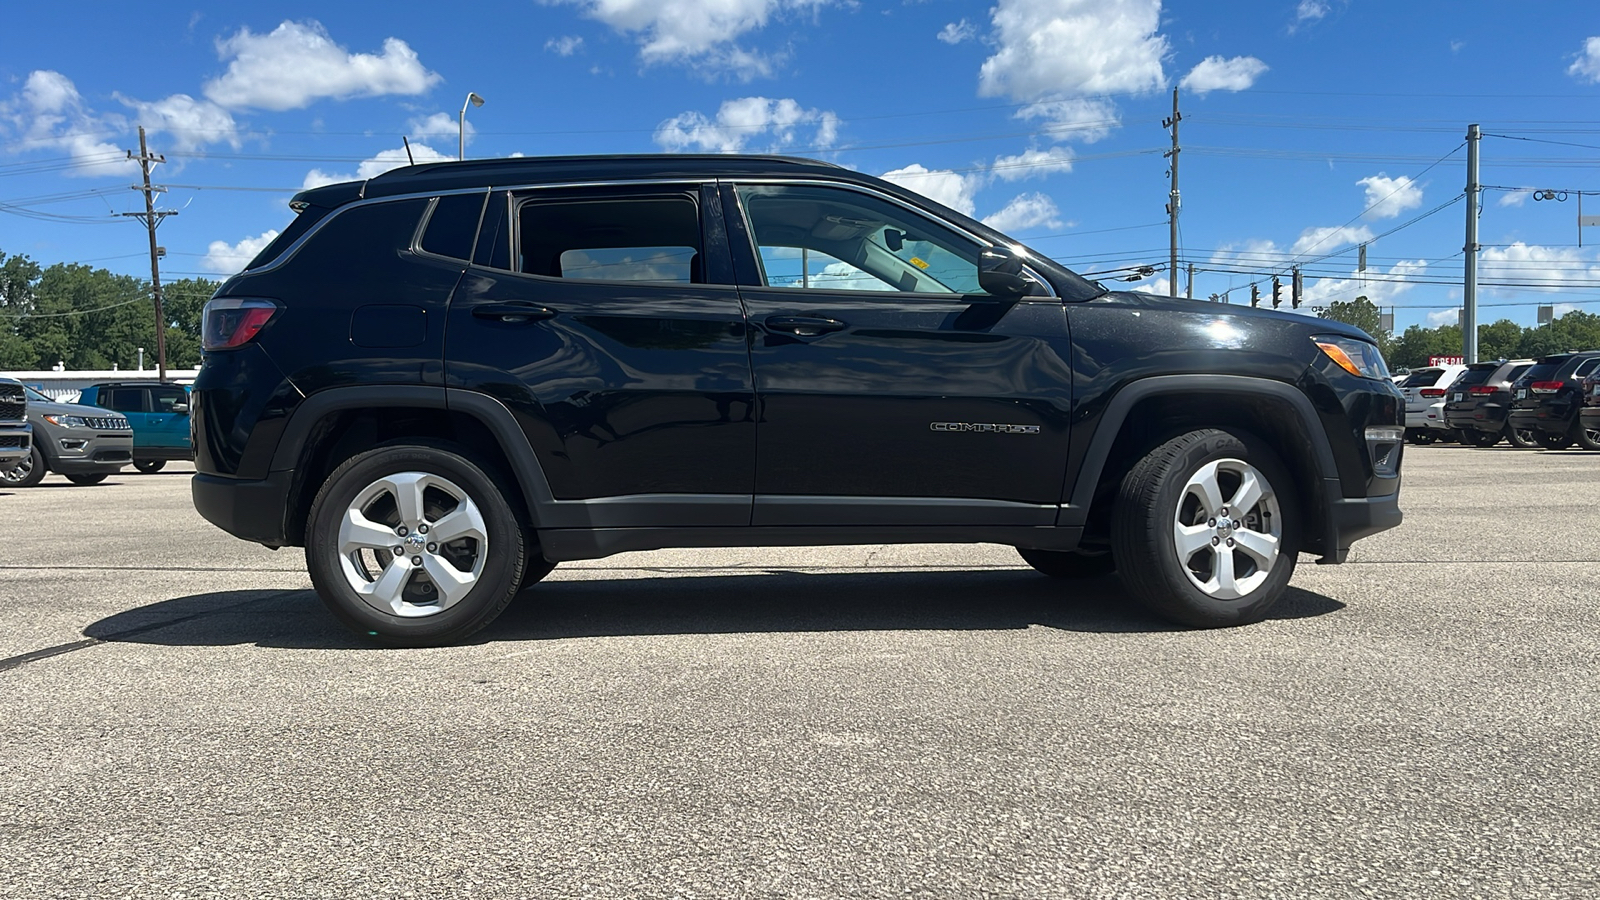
(502, 570)
(34, 476)
(1184, 601)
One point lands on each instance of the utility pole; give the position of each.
(1190, 292)
(152, 219)
(1172, 197)
(1469, 285)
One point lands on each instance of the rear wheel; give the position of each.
(414, 545)
(1421, 435)
(25, 472)
(86, 480)
(1485, 438)
(1202, 534)
(1069, 563)
(1554, 440)
(1522, 438)
(149, 466)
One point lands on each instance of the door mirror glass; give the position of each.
(181, 409)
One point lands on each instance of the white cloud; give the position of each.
(698, 31)
(1389, 197)
(1548, 269)
(191, 123)
(1444, 317)
(773, 124)
(297, 64)
(438, 125)
(1033, 163)
(1050, 48)
(1217, 74)
(1308, 11)
(939, 185)
(1075, 119)
(1587, 66)
(227, 258)
(566, 45)
(956, 32)
(1159, 286)
(377, 165)
(49, 113)
(1379, 287)
(1025, 211)
(1326, 239)
(1514, 198)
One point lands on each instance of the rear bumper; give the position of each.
(1482, 418)
(1589, 417)
(1432, 417)
(250, 510)
(1541, 418)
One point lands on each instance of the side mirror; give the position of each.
(181, 409)
(1000, 273)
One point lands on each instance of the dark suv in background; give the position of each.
(1547, 397)
(1477, 402)
(449, 378)
(1589, 414)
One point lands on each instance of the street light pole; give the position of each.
(472, 100)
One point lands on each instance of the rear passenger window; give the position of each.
(453, 225)
(122, 399)
(649, 239)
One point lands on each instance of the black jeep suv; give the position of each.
(1547, 397)
(446, 379)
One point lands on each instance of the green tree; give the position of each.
(1501, 340)
(1360, 312)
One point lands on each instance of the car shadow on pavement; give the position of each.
(770, 600)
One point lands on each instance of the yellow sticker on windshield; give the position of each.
(918, 262)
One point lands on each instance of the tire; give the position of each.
(1069, 563)
(1421, 436)
(25, 472)
(354, 525)
(1522, 438)
(1555, 440)
(86, 480)
(1485, 438)
(149, 466)
(1165, 495)
(1587, 438)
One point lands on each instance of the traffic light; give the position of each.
(1277, 292)
(1255, 295)
(1299, 286)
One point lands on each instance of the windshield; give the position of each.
(37, 397)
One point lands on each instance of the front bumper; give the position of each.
(77, 451)
(250, 510)
(16, 441)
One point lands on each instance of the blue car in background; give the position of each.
(159, 414)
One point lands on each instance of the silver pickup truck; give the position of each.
(16, 435)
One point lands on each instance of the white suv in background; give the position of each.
(1426, 390)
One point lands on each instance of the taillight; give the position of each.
(1547, 387)
(229, 322)
(1481, 390)
(1432, 392)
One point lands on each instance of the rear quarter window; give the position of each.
(1587, 367)
(453, 225)
(301, 224)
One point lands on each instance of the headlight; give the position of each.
(67, 421)
(1359, 358)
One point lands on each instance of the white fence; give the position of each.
(66, 385)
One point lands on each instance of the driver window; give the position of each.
(824, 238)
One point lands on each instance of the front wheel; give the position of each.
(1206, 529)
(414, 545)
(25, 472)
(1068, 563)
(149, 466)
(1485, 438)
(86, 480)
(1587, 437)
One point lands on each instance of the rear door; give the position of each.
(606, 319)
(167, 422)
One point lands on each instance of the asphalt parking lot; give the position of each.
(182, 718)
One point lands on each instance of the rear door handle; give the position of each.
(804, 326)
(512, 312)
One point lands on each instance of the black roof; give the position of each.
(444, 176)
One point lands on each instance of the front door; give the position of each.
(892, 389)
(607, 320)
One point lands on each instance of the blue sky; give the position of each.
(1309, 126)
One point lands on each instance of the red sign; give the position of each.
(1447, 360)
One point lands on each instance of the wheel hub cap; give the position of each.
(1227, 529)
(412, 544)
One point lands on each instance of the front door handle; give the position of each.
(804, 326)
(512, 312)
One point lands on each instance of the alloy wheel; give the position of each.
(412, 544)
(1227, 529)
